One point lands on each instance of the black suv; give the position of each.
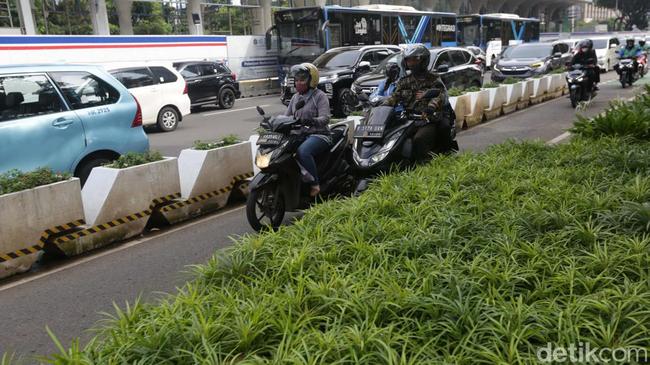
(338, 68)
(457, 67)
(209, 83)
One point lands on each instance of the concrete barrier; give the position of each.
(252, 88)
(27, 214)
(496, 99)
(526, 92)
(207, 178)
(556, 85)
(513, 95)
(478, 101)
(119, 202)
(461, 107)
(540, 88)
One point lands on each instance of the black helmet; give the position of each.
(586, 43)
(629, 42)
(420, 52)
(392, 70)
(641, 42)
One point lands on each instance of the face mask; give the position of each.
(301, 88)
(584, 50)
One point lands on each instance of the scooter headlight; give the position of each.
(263, 160)
(385, 149)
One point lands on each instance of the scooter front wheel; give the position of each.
(265, 208)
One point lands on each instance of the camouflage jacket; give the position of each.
(408, 86)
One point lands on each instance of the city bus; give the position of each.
(302, 34)
(492, 32)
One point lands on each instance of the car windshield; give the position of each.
(600, 43)
(337, 59)
(381, 68)
(536, 51)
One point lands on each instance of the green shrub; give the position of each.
(228, 140)
(511, 80)
(454, 91)
(629, 119)
(560, 70)
(15, 180)
(490, 85)
(472, 89)
(472, 259)
(134, 159)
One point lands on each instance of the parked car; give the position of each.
(464, 70)
(161, 91)
(480, 55)
(68, 118)
(338, 68)
(209, 83)
(530, 59)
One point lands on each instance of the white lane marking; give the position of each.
(114, 250)
(232, 111)
(259, 97)
(559, 138)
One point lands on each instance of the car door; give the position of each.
(192, 76)
(369, 57)
(37, 129)
(224, 75)
(462, 69)
(144, 88)
(554, 61)
(209, 81)
(444, 58)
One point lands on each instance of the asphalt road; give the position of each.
(68, 296)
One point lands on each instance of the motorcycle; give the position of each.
(278, 187)
(579, 84)
(385, 140)
(625, 70)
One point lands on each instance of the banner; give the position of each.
(249, 58)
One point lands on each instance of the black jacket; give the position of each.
(585, 58)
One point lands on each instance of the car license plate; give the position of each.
(270, 139)
(369, 131)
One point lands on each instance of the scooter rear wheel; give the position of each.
(265, 208)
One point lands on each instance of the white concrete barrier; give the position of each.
(25, 215)
(118, 202)
(478, 101)
(526, 92)
(513, 95)
(462, 107)
(207, 178)
(497, 97)
(540, 88)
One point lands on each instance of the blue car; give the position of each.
(65, 117)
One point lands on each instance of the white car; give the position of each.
(160, 90)
(606, 49)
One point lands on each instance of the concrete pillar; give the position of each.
(26, 17)
(99, 17)
(455, 6)
(194, 7)
(262, 17)
(476, 6)
(124, 16)
(493, 6)
(321, 2)
(523, 10)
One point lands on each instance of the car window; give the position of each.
(163, 75)
(381, 55)
(207, 70)
(134, 77)
(27, 96)
(190, 71)
(458, 58)
(84, 90)
(368, 57)
(222, 69)
(443, 59)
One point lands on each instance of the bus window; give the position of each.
(469, 31)
(410, 24)
(492, 30)
(447, 31)
(358, 29)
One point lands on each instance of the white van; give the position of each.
(160, 90)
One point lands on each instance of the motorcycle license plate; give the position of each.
(270, 139)
(369, 131)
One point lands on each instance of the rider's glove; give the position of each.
(307, 122)
(420, 123)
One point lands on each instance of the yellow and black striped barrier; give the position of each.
(206, 196)
(44, 237)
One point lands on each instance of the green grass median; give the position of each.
(472, 259)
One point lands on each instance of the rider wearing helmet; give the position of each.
(644, 47)
(387, 86)
(629, 51)
(410, 92)
(314, 115)
(586, 56)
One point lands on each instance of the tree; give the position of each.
(633, 12)
(148, 18)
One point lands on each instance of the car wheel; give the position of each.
(84, 170)
(226, 98)
(168, 119)
(345, 103)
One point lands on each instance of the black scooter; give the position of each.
(581, 88)
(626, 73)
(385, 140)
(278, 187)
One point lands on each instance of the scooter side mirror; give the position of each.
(260, 110)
